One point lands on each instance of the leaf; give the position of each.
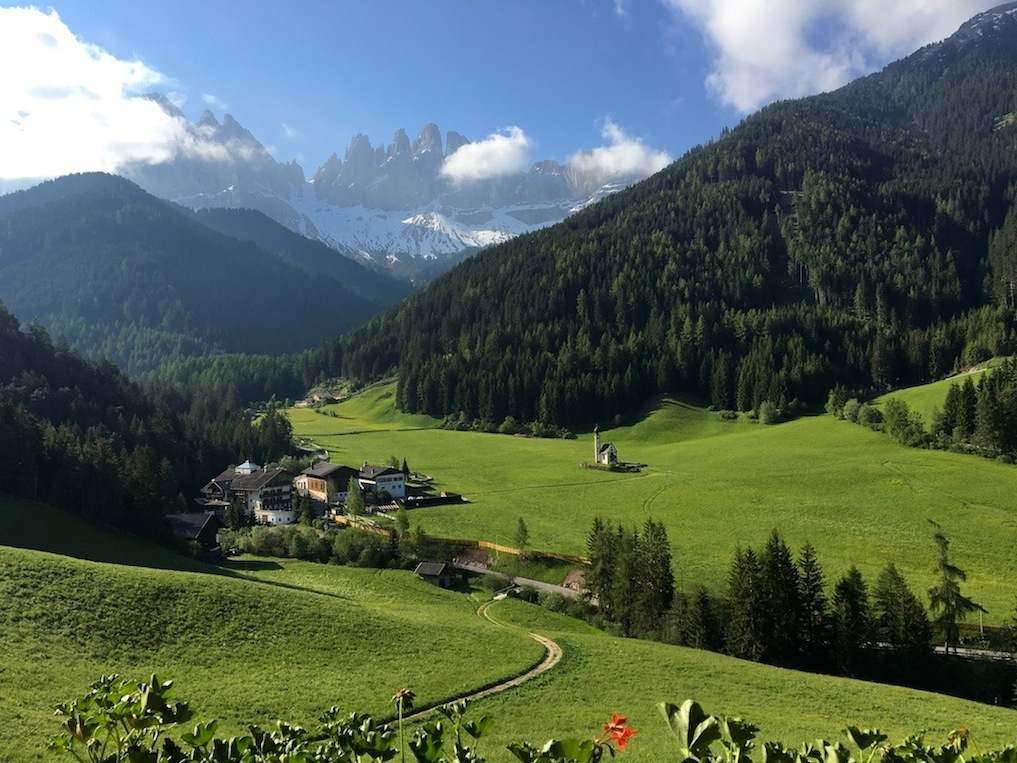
(201, 735)
(864, 739)
(426, 744)
(694, 729)
(479, 727)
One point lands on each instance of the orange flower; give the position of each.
(618, 731)
(616, 724)
(621, 736)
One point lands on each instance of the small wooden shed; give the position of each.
(435, 573)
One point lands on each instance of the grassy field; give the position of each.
(600, 674)
(259, 640)
(927, 397)
(265, 639)
(857, 496)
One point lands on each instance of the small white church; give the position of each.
(606, 454)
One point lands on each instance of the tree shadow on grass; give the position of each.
(250, 565)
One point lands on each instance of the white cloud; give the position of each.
(770, 49)
(69, 106)
(214, 102)
(502, 153)
(624, 158)
(289, 132)
(176, 98)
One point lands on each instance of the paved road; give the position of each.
(538, 585)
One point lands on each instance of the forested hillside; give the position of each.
(142, 282)
(79, 434)
(862, 237)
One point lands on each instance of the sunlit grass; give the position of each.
(858, 496)
(925, 398)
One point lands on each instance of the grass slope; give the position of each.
(266, 640)
(925, 398)
(272, 639)
(600, 674)
(857, 496)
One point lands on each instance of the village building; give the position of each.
(266, 495)
(326, 483)
(606, 454)
(374, 479)
(202, 529)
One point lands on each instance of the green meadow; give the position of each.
(600, 674)
(265, 639)
(255, 641)
(926, 398)
(859, 497)
(260, 639)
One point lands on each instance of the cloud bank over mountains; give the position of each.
(69, 106)
(770, 49)
(502, 153)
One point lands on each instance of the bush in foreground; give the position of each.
(123, 721)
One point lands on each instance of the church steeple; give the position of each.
(596, 443)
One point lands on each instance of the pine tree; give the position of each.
(745, 625)
(900, 623)
(655, 589)
(780, 599)
(625, 582)
(852, 622)
(815, 608)
(599, 576)
(946, 602)
(698, 625)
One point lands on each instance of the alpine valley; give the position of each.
(163, 511)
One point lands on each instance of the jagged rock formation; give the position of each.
(376, 202)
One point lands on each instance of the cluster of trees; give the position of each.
(317, 542)
(982, 417)
(80, 434)
(631, 577)
(776, 607)
(777, 610)
(976, 418)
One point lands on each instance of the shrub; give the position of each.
(768, 413)
(869, 416)
(851, 408)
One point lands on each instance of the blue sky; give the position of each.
(656, 76)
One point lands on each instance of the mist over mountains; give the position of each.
(430, 198)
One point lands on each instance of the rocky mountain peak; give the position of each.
(454, 141)
(208, 119)
(165, 104)
(994, 20)
(428, 141)
(400, 144)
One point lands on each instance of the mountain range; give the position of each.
(385, 204)
(865, 238)
(119, 272)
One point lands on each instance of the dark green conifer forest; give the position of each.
(863, 237)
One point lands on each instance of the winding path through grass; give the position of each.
(552, 655)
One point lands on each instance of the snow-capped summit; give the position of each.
(385, 203)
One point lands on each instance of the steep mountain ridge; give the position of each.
(142, 281)
(383, 204)
(843, 238)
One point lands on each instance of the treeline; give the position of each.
(822, 241)
(779, 609)
(81, 435)
(975, 418)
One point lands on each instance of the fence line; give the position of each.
(470, 543)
